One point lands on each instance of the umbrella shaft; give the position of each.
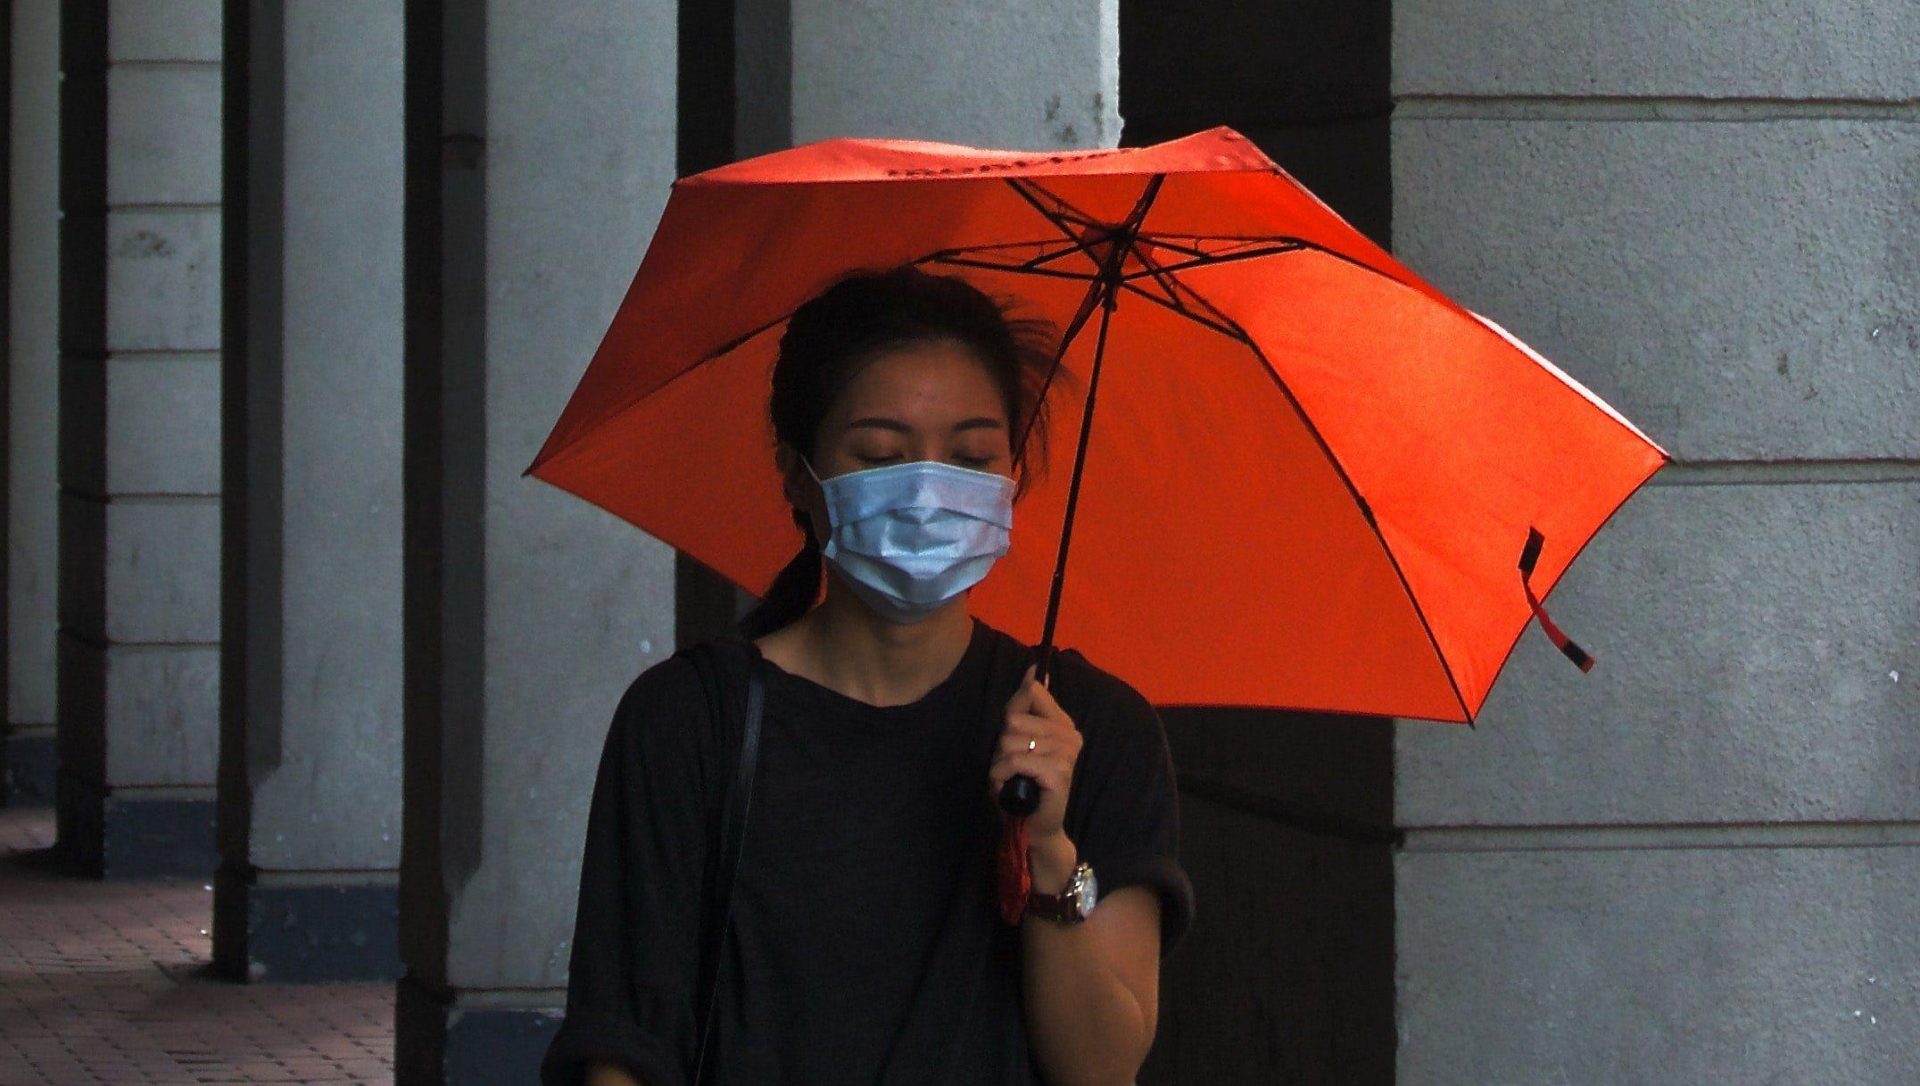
(1109, 288)
(1120, 241)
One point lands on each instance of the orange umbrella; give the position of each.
(1312, 482)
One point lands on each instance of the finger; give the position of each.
(1022, 723)
(1058, 731)
(1041, 701)
(1015, 742)
(1022, 695)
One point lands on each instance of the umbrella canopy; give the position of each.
(1310, 478)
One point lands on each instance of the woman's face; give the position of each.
(931, 400)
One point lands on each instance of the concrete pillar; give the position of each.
(309, 822)
(1001, 73)
(540, 148)
(32, 396)
(139, 648)
(1694, 864)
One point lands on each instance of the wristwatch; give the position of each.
(1071, 905)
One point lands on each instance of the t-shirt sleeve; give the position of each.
(1124, 804)
(635, 954)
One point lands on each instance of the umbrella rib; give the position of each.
(1177, 285)
(1230, 331)
(1299, 243)
(1018, 269)
(1188, 243)
(1205, 260)
(1058, 217)
(722, 349)
(1172, 285)
(1166, 241)
(1066, 340)
(997, 245)
(1044, 257)
(1061, 221)
(1225, 237)
(1366, 510)
(1144, 254)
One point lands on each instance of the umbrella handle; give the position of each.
(1020, 795)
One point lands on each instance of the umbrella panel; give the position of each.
(1430, 412)
(1205, 499)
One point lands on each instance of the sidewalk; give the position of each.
(107, 983)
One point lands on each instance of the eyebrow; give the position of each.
(977, 423)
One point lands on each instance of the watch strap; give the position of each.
(1063, 907)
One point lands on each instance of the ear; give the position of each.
(799, 487)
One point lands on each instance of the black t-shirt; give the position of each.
(866, 945)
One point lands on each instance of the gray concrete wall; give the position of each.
(33, 208)
(140, 339)
(1693, 863)
(311, 721)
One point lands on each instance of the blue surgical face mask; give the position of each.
(910, 537)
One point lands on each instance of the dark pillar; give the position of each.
(1287, 817)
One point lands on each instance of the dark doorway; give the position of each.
(1287, 818)
(705, 603)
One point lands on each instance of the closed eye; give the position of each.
(970, 461)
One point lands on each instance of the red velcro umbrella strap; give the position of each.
(1013, 870)
(1528, 556)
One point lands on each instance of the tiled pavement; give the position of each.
(107, 982)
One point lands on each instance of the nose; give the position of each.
(918, 514)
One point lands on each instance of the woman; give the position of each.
(866, 943)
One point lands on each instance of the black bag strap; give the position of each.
(733, 824)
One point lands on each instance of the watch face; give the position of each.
(1089, 889)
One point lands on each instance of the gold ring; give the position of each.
(1031, 743)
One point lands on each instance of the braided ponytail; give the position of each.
(793, 591)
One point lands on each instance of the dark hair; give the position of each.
(831, 337)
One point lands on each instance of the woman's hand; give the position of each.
(1033, 715)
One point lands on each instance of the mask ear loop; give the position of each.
(821, 486)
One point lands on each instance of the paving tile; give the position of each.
(107, 983)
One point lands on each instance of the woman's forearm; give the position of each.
(1084, 1024)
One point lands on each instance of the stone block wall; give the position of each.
(1685, 865)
